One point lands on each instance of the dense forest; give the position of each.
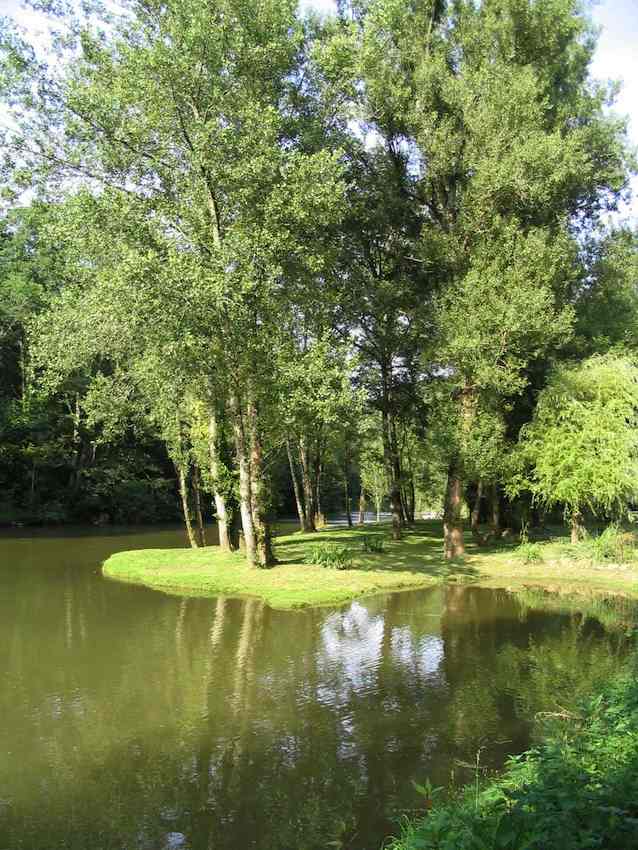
(255, 262)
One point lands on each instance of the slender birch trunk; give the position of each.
(301, 511)
(346, 480)
(197, 494)
(495, 519)
(476, 514)
(183, 493)
(308, 484)
(245, 497)
(394, 482)
(221, 511)
(317, 472)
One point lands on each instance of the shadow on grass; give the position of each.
(419, 551)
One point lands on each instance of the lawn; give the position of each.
(415, 561)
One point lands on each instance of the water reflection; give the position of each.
(137, 720)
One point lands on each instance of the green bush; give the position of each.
(577, 789)
(329, 555)
(529, 553)
(371, 543)
(612, 545)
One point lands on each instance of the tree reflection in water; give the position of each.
(137, 720)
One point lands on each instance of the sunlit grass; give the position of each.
(415, 561)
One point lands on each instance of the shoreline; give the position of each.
(413, 563)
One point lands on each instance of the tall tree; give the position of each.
(581, 448)
(189, 121)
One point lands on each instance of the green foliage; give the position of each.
(577, 789)
(372, 543)
(581, 449)
(363, 240)
(332, 556)
(529, 553)
(613, 544)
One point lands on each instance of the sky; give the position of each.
(616, 55)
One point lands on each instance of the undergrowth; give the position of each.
(371, 543)
(578, 789)
(530, 553)
(612, 546)
(329, 555)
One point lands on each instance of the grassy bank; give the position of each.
(415, 561)
(577, 789)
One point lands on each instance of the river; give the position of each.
(134, 720)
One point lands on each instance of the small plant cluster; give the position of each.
(577, 789)
(530, 553)
(329, 555)
(613, 544)
(371, 544)
(332, 556)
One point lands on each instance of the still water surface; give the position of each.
(131, 720)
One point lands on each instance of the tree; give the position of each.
(372, 470)
(187, 125)
(581, 448)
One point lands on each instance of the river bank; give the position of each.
(415, 561)
(575, 789)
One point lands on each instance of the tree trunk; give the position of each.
(495, 519)
(224, 521)
(183, 492)
(578, 530)
(475, 516)
(409, 499)
(78, 446)
(317, 466)
(378, 506)
(195, 483)
(452, 522)
(395, 486)
(245, 496)
(362, 507)
(346, 498)
(261, 524)
(308, 485)
(391, 459)
(320, 517)
(346, 479)
(301, 511)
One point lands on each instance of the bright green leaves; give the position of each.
(581, 449)
(505, 310)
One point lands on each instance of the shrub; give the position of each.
(529, 553)
(329, 555)
(577, 789)
(372, 543)
(612, 545)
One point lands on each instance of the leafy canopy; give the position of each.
(581, 448)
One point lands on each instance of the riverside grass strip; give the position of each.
(414, 562)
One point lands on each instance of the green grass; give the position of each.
(415, 561)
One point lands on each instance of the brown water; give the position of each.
(131, 720)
